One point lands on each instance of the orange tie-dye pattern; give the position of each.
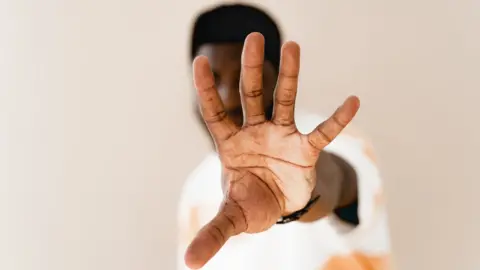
(190, 227)
(379, 199)
(369, 152)
(357, 261)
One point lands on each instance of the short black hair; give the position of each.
(232, 23)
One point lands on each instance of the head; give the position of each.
(219, 35)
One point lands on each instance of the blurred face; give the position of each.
(225, 61)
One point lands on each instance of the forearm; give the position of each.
(336, 185)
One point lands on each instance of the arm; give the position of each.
(336, 185)
(355, 157)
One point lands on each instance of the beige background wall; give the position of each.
(96, 132)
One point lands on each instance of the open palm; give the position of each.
(268, 166)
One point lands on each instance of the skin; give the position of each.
(269, 168)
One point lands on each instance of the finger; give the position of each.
(220, 126)
(228, 222)
(251, 83)
(330, 128)
(286, 90)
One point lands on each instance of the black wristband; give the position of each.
(298, 214)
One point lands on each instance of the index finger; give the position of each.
(221, 127)
(327, 131)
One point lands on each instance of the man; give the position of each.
(283, 190)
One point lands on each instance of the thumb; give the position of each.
(228, 222)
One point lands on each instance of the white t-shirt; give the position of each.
(326, 244)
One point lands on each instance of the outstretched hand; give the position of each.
(268, 166)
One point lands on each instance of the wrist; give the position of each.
(329, 186)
